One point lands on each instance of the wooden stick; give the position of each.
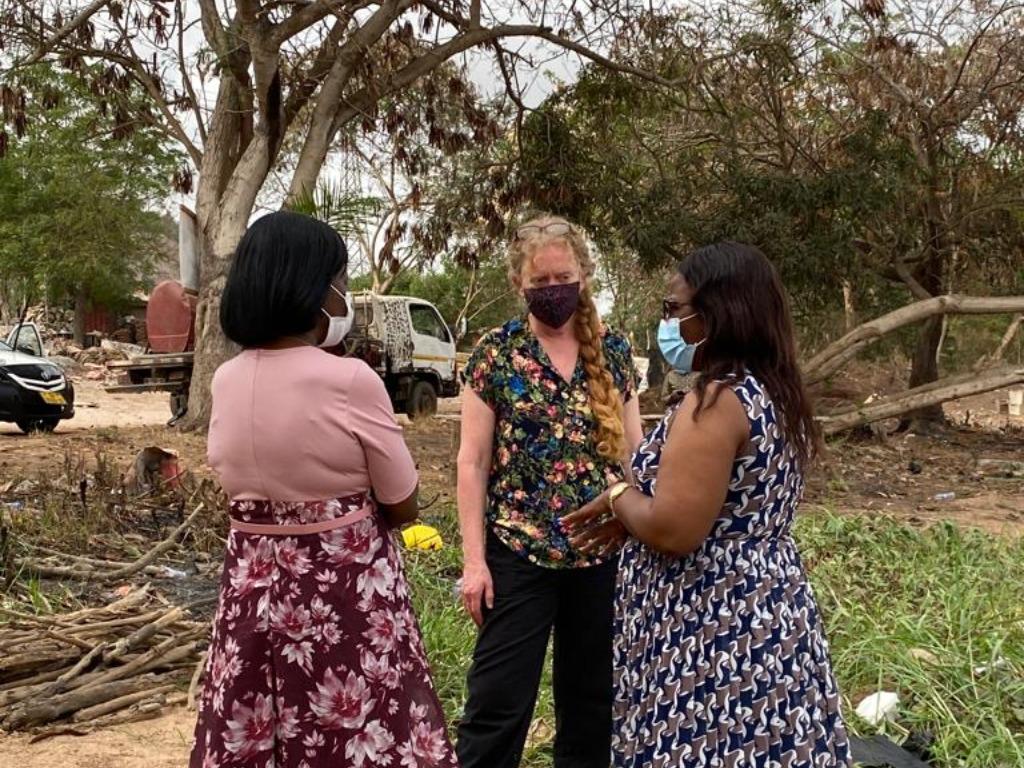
(141, 635)
(61, 683)
(101, 627)
(26, 689)
(67, 639)
(91, 713)
(193, 686)
(164, 546)
(151, 658)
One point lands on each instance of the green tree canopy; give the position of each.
(80, 197)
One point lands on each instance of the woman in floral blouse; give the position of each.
(549, 420)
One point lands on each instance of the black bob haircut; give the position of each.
(280, 275)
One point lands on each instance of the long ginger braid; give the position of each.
(605, 399)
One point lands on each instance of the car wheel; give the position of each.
(28, 426)
(422, 402)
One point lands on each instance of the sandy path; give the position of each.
(97, 409)
(160, 743)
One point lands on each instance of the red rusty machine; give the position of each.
(170, 326)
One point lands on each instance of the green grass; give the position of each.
(887, 592)
(922, 613)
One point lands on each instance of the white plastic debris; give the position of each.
(879, 707)
(997, 666)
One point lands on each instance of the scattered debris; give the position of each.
(997, 666)
(53, 564)
(121, 348)
(154, 467)
(878, 708)
(1008, 468)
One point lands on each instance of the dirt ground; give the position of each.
(899, 476)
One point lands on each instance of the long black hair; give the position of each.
(749, 329)
(279, 278)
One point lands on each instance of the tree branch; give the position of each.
(61, 34)
(840, 352)
(1008, 337)
(927, 395)
(179, 12)
(301, 20)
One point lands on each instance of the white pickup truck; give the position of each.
(410, 346)
(403, 338)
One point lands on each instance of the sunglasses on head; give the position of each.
(555, 229)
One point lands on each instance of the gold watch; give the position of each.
(616, 490)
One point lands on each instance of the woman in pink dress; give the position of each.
(316, 659)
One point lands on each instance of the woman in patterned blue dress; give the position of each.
(720, 653)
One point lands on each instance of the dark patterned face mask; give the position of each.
(553, 305)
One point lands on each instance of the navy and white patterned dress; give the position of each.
(720, 656)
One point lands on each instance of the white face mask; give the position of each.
(338, 327)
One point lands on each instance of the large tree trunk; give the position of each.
(81, 305)
(212, 347)
(925, 366)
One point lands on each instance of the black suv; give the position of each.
(34, 393)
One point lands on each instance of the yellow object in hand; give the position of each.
(422, 537)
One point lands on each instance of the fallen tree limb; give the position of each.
(164, 546)
(921, 397)
(843, 350)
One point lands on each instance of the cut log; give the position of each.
(34, 713)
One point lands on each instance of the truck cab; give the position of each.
(408, 343)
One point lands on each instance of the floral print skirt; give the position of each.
(316, 658)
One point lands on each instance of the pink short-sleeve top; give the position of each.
(299, 424)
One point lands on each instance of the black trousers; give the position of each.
(509, 658)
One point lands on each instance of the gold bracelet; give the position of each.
(615, 492)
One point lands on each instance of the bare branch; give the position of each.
(1011, 332)
(179, 13)
(302, 19)
(61, 34)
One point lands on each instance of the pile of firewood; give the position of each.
(100, 666)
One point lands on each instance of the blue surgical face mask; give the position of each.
(678, 351)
